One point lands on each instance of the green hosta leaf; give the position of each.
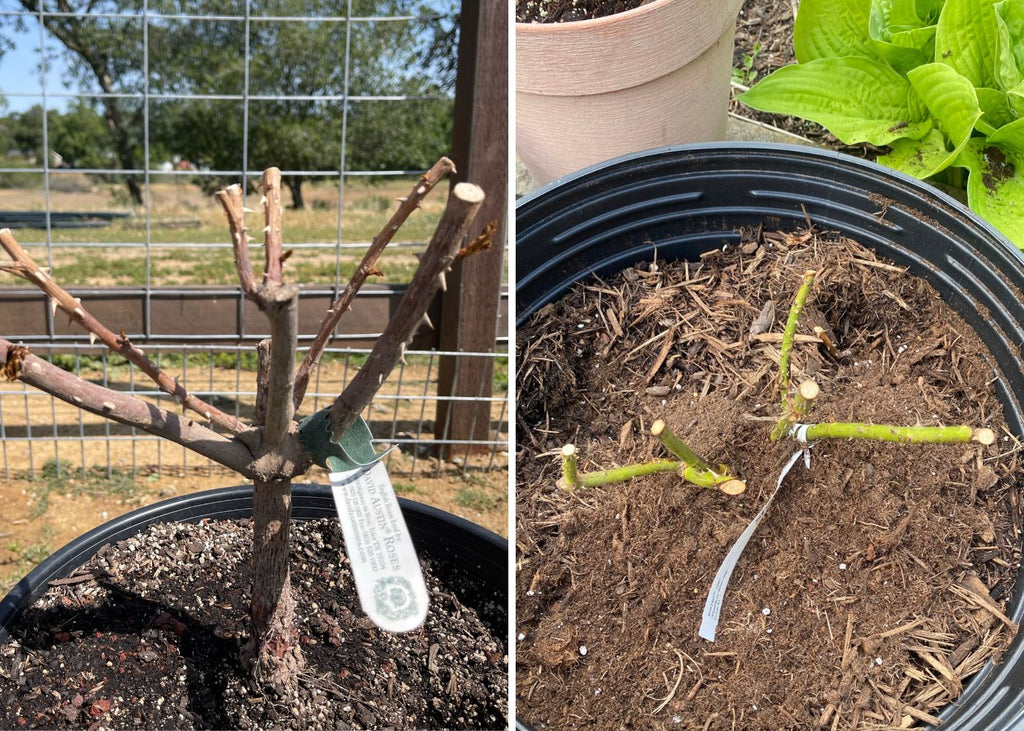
(892, 16)
(928, 10)
(871, 103)
(965, 39)
(1011, 15)
(995, 183)
(949, 97)
(1010, 137)
(898, 35)
(832, 29)
(1006, 70)
(1009, 64)
(921, 158)
(907, 49)
(953, 104)
(995, 110)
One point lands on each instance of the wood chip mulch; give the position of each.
(875, 587)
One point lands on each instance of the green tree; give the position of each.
(302, 59)
(6, 141)
(80, 135)
(104, 53)
(26, 131)
(305, 61)
(404, 135)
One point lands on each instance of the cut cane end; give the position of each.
(733, 487)
(468, 193)
(809, 389)
(569, 450)
(658, 427)
(983, 436)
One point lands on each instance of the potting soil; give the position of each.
(564, 11)
(876, 585)
(149, 634)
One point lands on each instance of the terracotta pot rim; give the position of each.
(618, 51)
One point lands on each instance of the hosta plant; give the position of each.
(940, 82)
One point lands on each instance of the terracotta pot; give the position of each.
(590, 90)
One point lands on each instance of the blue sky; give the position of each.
(20, 83)
(19, 73)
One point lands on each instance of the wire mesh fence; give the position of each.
(193, 96)
(36, 428)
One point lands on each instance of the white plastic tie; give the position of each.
(713, 605)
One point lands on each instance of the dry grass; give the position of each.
(180, 215)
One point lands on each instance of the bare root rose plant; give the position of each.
(796, 406)
(268, 451)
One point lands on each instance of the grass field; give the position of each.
(181, 217)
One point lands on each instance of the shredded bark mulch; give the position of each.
(875, 586)
(149, 633)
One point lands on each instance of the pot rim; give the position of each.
(768, 148)
(488, 550)
(620, 51)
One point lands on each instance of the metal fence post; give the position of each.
(469, 314)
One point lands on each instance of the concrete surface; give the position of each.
(738, 129)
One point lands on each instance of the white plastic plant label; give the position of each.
(713, 605)
(384, 563)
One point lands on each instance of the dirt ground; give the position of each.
(27, 537)
(44, 512)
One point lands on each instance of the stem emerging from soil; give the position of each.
(699, 475)
(694, 475)
(622, 474)
(570, 473)
(803, 399)
(276, 653)
(786, 349)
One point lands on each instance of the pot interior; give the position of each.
(456, 546)
(676, 203)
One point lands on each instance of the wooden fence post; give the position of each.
(469, 309)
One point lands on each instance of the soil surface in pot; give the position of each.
(875, 585)
(564, 11)
(148, 635)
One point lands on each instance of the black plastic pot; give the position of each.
(683, 201)
(455, 546)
